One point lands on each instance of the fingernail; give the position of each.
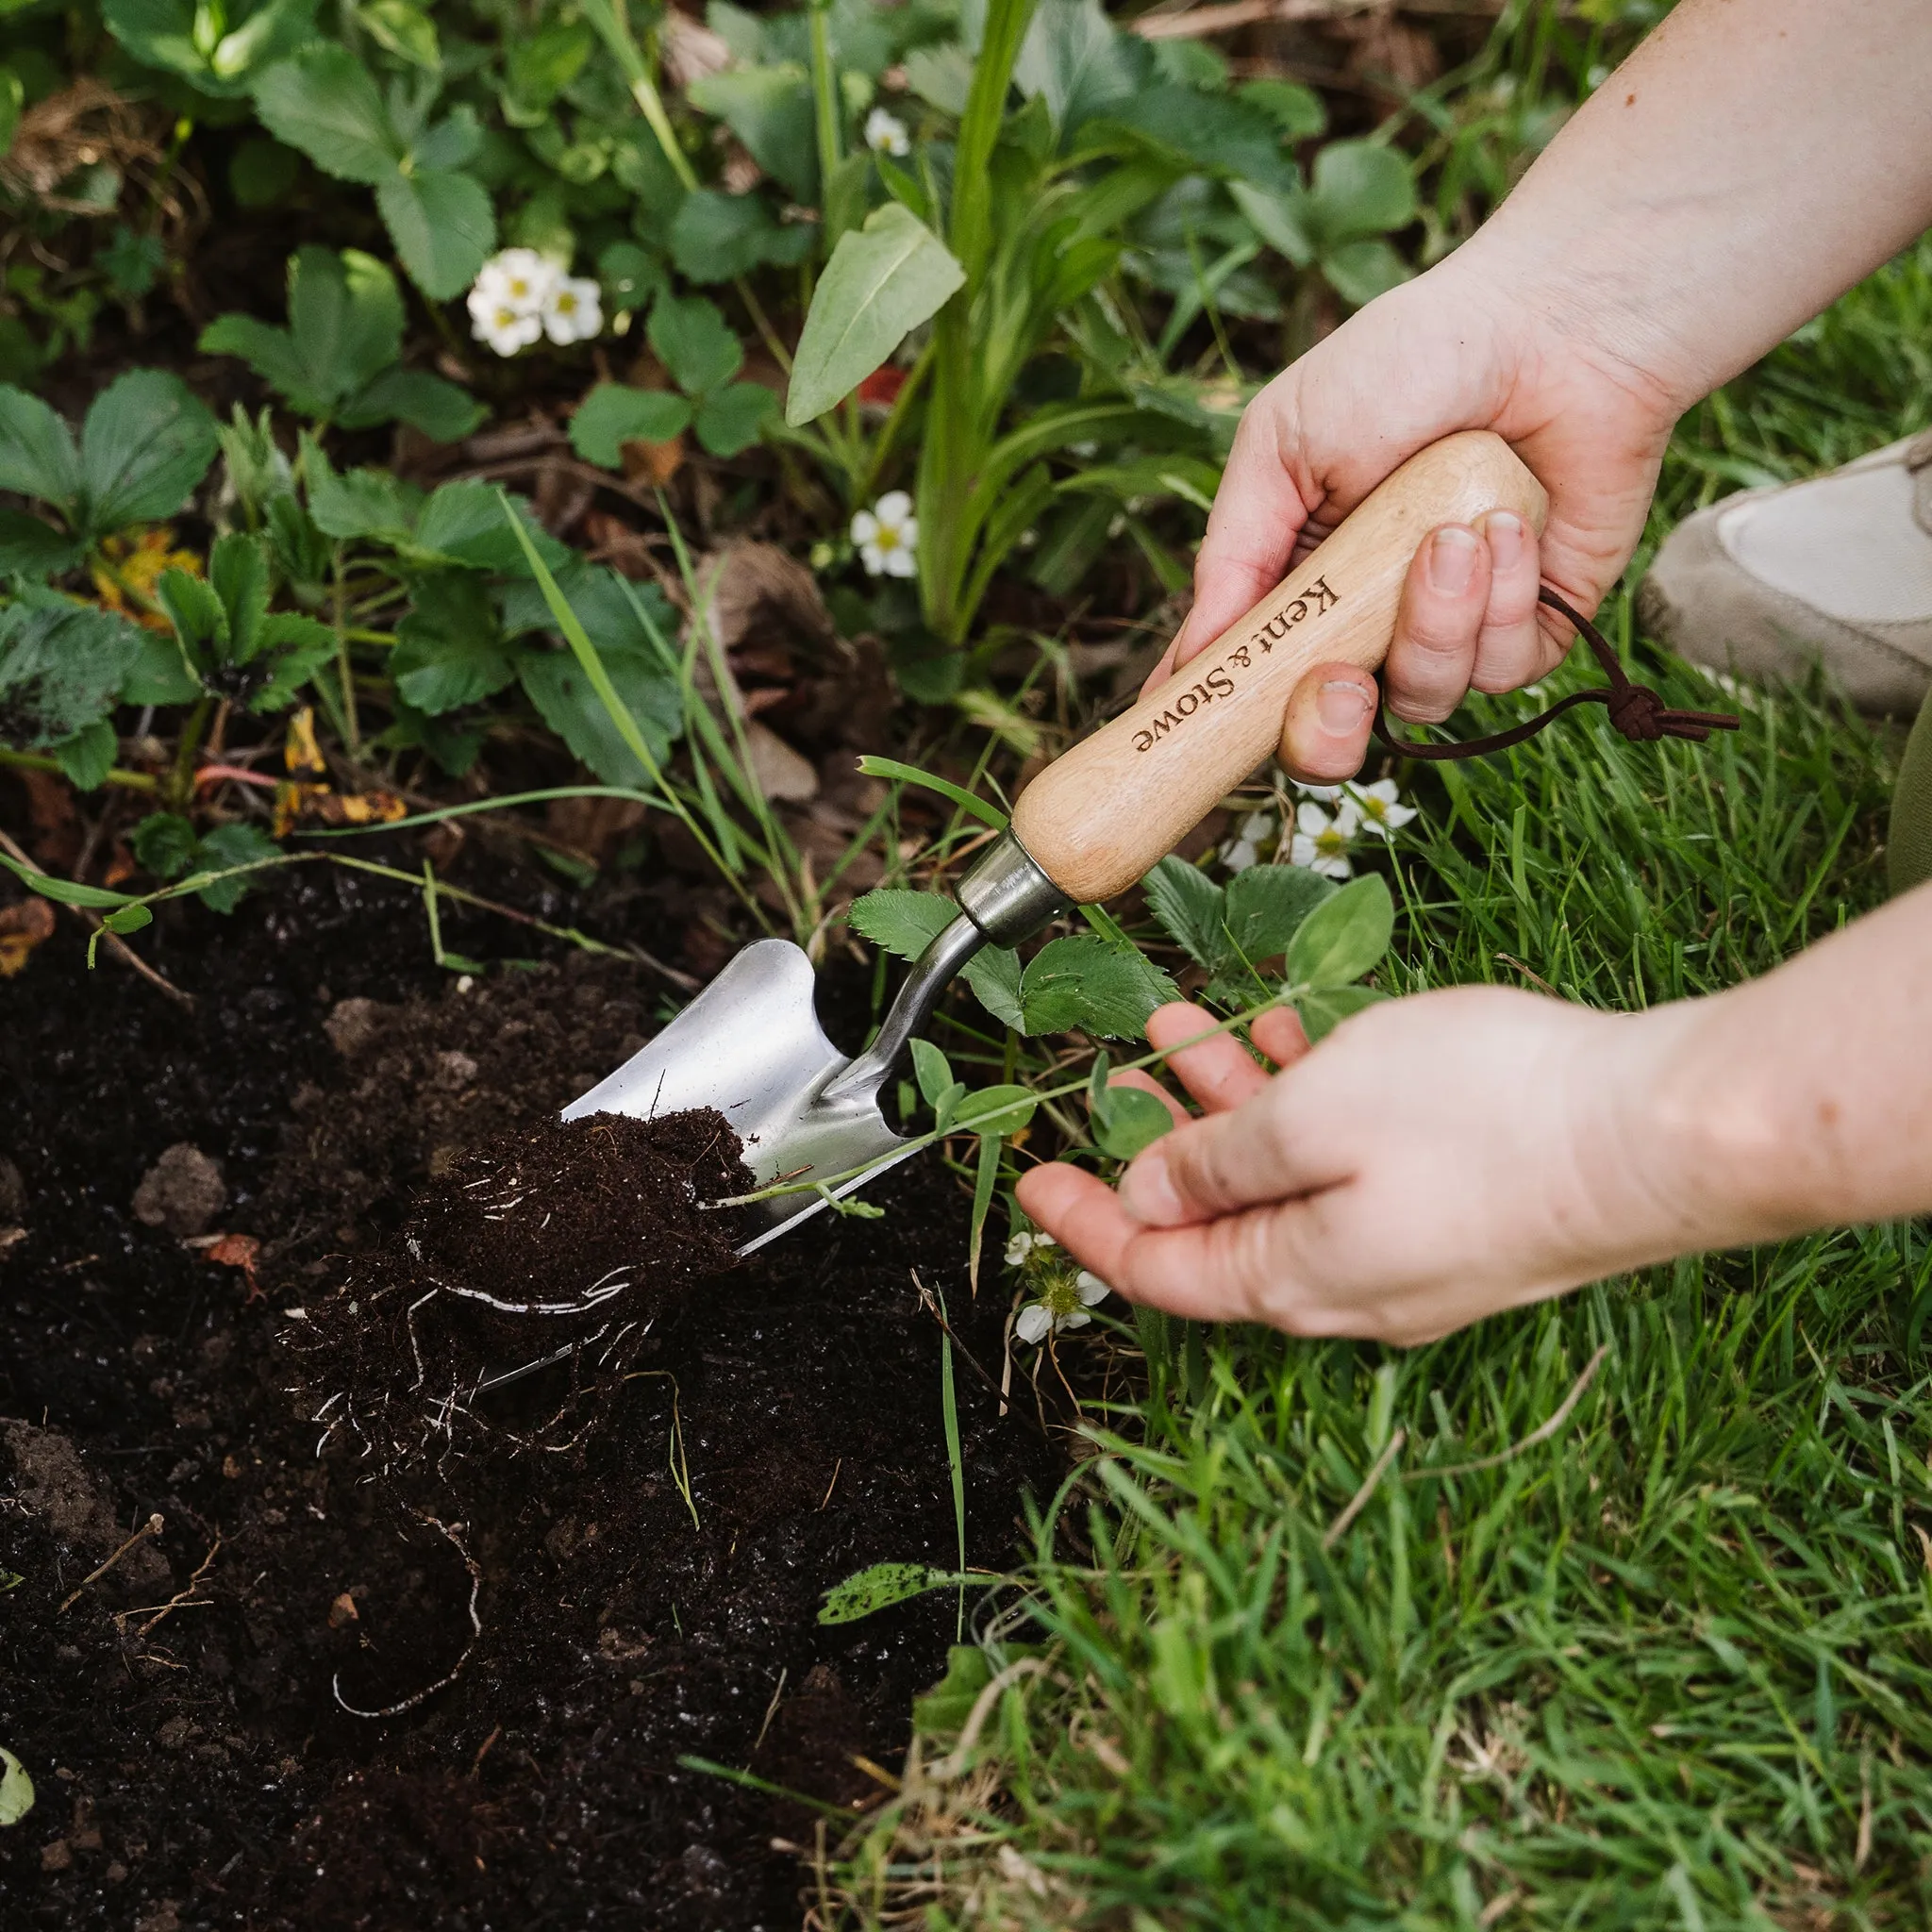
(1340, 706)
(1452, 559)
(1147, 1191)
(1504, 528)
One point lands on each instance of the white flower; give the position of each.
(887, 536)
(1062, 1306)
(506, 329)
(518, 278)
(1327, 793)
(1381, 807)
(1322, 843)
(885, 133)
(1025, 1243)
(1244, 848)
(573, 312)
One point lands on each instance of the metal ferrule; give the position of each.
(1004, 899)
(1008, 897)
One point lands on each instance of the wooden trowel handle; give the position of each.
(1095, 820)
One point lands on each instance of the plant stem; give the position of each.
(353, 730)
(36, 761)
(825, 88)
(181, 788)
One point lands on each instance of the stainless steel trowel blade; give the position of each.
(751, 1046)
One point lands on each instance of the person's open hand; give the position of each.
(1462, 347)
(1434, 1159)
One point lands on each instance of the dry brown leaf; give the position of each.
(22, 928)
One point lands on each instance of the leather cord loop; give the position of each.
(1635, 711)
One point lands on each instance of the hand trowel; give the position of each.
(1087, 826)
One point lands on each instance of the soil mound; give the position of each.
(558, 1243)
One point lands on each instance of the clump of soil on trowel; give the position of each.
(560, 1243)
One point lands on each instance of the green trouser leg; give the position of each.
(1909, 845)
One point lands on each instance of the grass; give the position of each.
(1670, 1665)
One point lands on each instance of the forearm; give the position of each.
(1747, 164)
(1803, 1099)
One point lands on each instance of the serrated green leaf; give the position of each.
(993, 973)
(731, 418)
(146, 445)
(903, 923)
(1323, 1008)
(238, 572)
(356, 503)
(614, 413)
(37, 453)
(695, 343)
(87, 758)
(201, 625)
(62, 667)
(1343, 937)
(271, 353)
(325, 103)
(1265, 906)
(163, 844)
(770, 110)
(443, 228)
(716, 237)
(159, 675)
(346, 318)
(1077, 62)
(883, 281)
(16, 1789)
(880, 1587)
(1191, 908)
(1087, 983)
(227, 846)
(463, 522)
(448, 649)
(297, 647)
(439, 409)
(31, 548)
(564, 696)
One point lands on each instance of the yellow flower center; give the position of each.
(1330, 841)
(887, 536)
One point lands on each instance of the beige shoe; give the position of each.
(1838, 569)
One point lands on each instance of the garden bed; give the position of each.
(645, 1583)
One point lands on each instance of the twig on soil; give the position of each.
(1540, 1434)
(833, 1484)
(1358, 1502)
(771, 1710)
(152, 1527)
(181, 1600)
(429, 1690)
(116, 944)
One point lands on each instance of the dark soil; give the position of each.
(562, 1239)
(645, 1580)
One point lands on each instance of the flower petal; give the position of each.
(1311, 819)
(1090, 1286)
(894, 506)
(1035, 1320)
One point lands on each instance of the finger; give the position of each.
(1441, 612)
(1147, 1084)
(1279, 1034)
(1510, 649)
(1225, 1161)
(1233, 1270)
(1216, 1070)
(1259, 512)
(1324, 732)
(1082, 1213)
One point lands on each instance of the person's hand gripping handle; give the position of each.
(1098, 818)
